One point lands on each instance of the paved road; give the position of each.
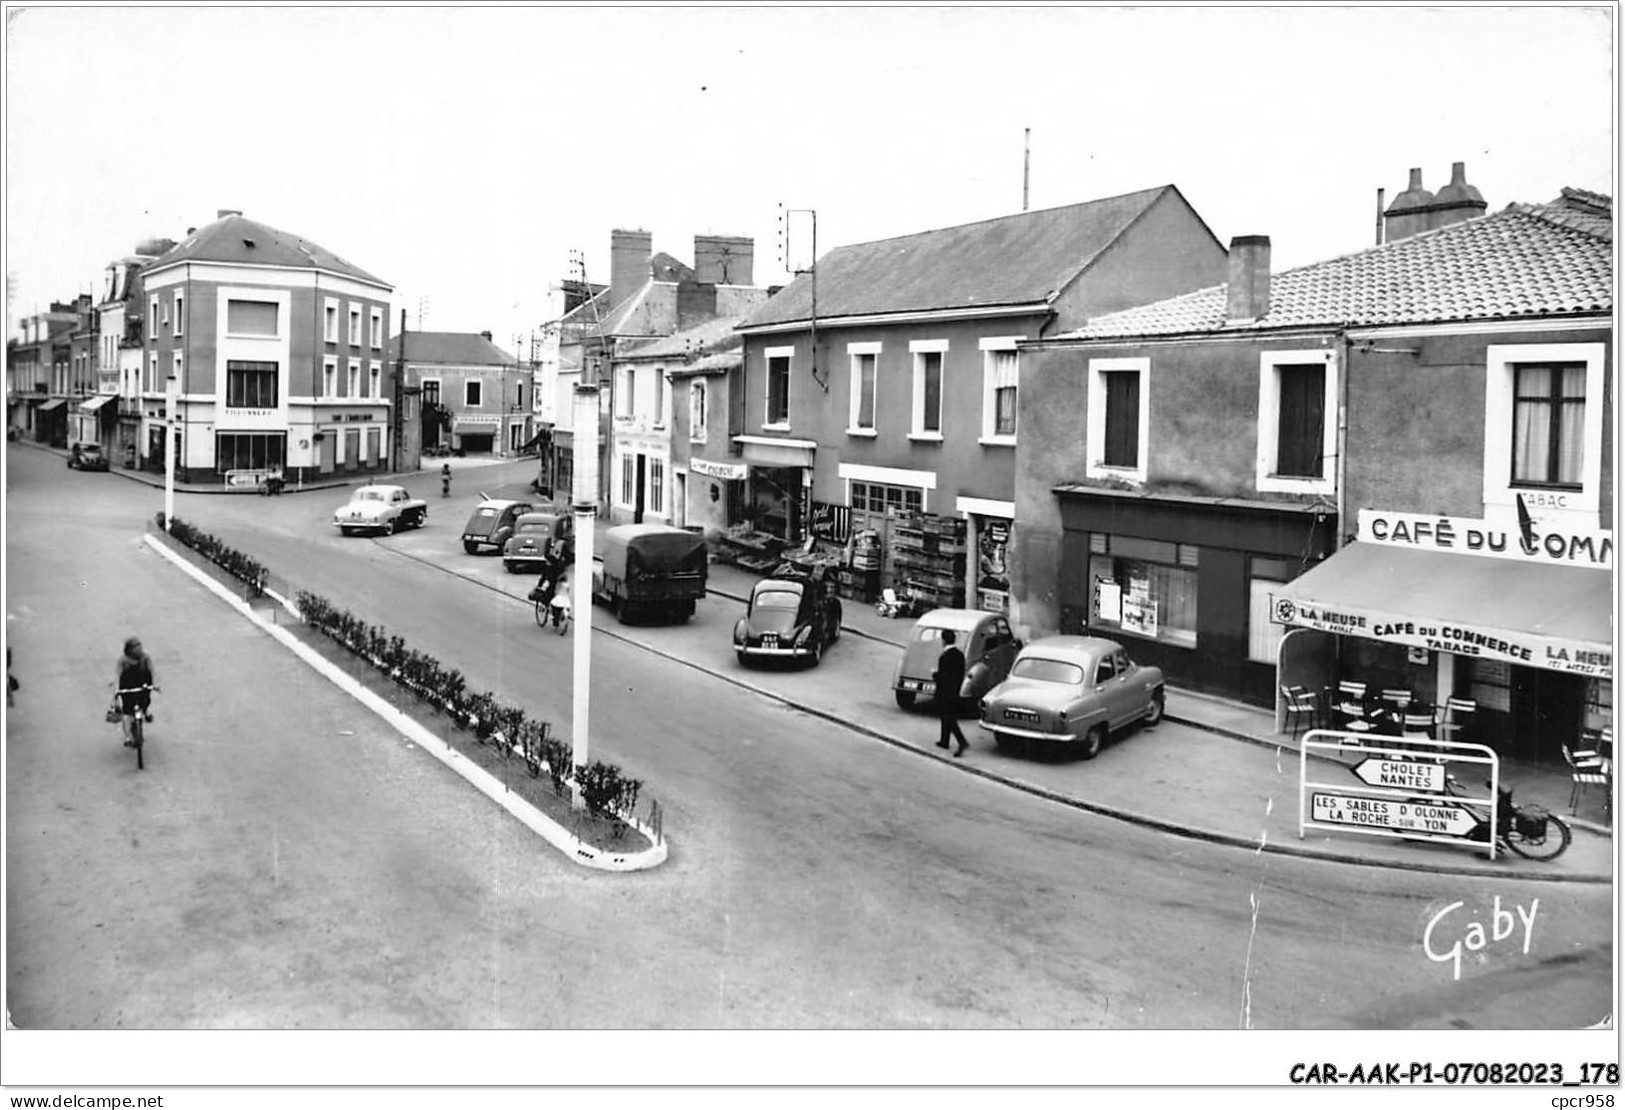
(273, 870)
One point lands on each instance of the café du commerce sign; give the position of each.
(1524, 540)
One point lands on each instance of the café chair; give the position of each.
(1453, 719)
(1417, 725)
(1397, 700)
(1351, 710)
(1587, 768)
(1301, 706)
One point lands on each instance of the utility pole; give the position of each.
(172, 401)
(812, 269)
(1026, 162)
(399, 420)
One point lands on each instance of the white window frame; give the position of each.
(916, 349)
(355, 327)
(662, 398)
(1095, 466)
(180, 313)
(330, 320)
(1579, 508)
(698, 400)
(990, 346)
(656, 488)
(855, 352)
(152, 319)
(375, 376)
(1269, 412)
(478, 384)
(376, 322)
(353, 378)
(330, 377)
(626, 385)
(629, 480)
(768, 355)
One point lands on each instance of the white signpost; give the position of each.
(1398, 789)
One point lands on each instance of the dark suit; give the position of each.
(949, 678)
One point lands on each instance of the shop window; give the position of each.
(249, 450)
(657, 486)
(874, 497)
(1264, 578)
(1144, 588)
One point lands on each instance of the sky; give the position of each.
(469, 157)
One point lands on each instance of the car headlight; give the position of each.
(739, 632)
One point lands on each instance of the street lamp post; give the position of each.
(584, 503)
(172, 397)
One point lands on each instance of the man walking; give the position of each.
(950, 675)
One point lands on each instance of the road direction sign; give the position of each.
(1387, 813)
(1401, 774)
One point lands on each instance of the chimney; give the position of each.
(485, 335)
(1248, 291)
(724, 259)
(1457, 201)
(1409, 213)
(630, 253)
(222, 213)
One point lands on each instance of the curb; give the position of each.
(482, 780)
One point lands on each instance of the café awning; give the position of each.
(95, 403)
(52, 404)
(1554, 617)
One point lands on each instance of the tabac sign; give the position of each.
(1526, 539)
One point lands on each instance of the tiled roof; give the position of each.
(1525, 261)
(241, 241)
(713, 335)
(451, 348)
(1013, 260)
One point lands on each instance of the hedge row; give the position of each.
(605, 791)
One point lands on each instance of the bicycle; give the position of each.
(137, 721)
(1530, 831)
(554, 611)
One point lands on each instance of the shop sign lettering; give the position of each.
(1477, 537)
(1568, 656)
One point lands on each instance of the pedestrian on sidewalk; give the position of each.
(949, 676)
(445, 479)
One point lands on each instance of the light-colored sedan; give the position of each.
(985, 638)
(380, 508)
(1074, 691)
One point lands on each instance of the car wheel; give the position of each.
(905, 699)
(744, 660)
(390, 525)
(470, 546)
(1093, 741)
(835, 631)
(509, 567)
(1153, 712)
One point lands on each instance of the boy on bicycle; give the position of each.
(134, 684)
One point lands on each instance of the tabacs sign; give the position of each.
(1528, 540)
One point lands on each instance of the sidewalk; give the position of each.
(1239, 783)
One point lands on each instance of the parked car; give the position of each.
(547, 533)
(385, 509)
(985, 638)
(86, 456)
(492, 522)
(792, 614)
(1071, 690)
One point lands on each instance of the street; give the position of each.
(287, 862)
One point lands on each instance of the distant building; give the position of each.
(277, 348)
(476, 398)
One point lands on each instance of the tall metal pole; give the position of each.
(172, 398)
(584, 503)
(1026, 162)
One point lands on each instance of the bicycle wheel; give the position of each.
(541, 614)
(1550, 846)
(138, 738)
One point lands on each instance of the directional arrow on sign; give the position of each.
(1446, 819)
(1401, 774)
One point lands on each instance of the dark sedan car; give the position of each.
(492, 523)
(539, 537)
(791, 616)
(86, 456)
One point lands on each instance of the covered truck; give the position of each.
(649, 571)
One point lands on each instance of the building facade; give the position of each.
(276, 350)
(1305, 477)
(884, 384)
(477, 399)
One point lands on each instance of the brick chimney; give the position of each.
(1409, 213)
(1457, 201)
(630, 253)
(724, 259)
(485, 335)
(1248, 291)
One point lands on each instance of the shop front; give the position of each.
(777, 497)
(714, 494)
(1512, 625)
(1184, 583)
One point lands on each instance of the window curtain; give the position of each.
(866, 391)
(1004, 393)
